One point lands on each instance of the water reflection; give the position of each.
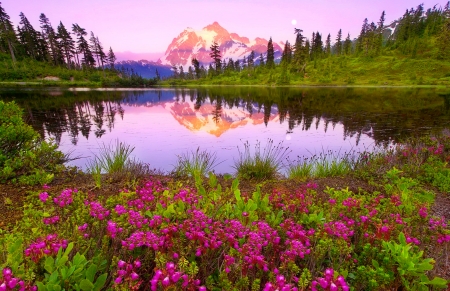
(180, 119)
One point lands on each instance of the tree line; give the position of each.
(416, 32)
(73, 49)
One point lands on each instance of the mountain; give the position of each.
(196, 44)
(146, 69)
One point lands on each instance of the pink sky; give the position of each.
(146, 27)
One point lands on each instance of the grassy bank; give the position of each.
(388, 70)
(367, 222)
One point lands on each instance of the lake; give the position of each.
(164, 123)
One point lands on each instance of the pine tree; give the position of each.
(215, 55)
(196, 65)
(244, 63)
(347, 45)
(230, 65)
(339, 43)
(50, 36)
(251, 60)
(7, 33)
(261, 60)
(83, 47)
(444, 41)
(101, 54)
(287, 54)
(181, 74)
(66, 44)
(328, 45)
(301, 52)
(111, 58)
(190, 73)
(29, 38)
(270, 63)
(158, 77)
(362, 39)
(175, 71)
(237, 66)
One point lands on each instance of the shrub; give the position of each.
(260, 165)
(24, 157)
(201, 162)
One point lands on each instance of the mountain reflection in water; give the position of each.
(162, 123)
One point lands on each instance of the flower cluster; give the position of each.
(168, 277)
(112, 229)
(9, 282)
(43, 196)
(338, 229)
(65, 198)
(97, 210)
(126, 274)
(49, 245)
(51, 220)
(328, 282)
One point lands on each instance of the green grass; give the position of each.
(391, 69)
(260, 165)
(326, 164)
(199, 161)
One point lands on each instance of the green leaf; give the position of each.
(86, 285)
(237, 195)
(101, 280)
(49, 264)
(41, 287)
(402, 238)
(61, 261)
(235, 184)
(68, 249)
(90, 272)
(437, 281)
(375, 264)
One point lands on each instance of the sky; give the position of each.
(143, 29)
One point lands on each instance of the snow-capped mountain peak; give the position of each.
(191, 44)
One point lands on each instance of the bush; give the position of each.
(24, 157)
(260, 165)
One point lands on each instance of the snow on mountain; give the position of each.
(191, 44)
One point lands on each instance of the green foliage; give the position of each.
(259, 164)
(410, 265)
(76, 274)
(15, 135)
(199, 161)
(24, 157)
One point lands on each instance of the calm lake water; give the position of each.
(164, 123)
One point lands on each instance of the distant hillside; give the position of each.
(146, 69)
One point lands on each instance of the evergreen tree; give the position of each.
(7, 33)
(301, 52)
(328, 45)
(380, 30)
(101, 54)
(251, 60)
(181, 74)
(190, 73)
(196, 65)
(339, 43)
(111, 58)
(158, 77)
(230, 65)
(444, 41)
(215, 55)
(237, 66)
(347, 45)
(244, 63)
(66, 44)
(175, 71)
(261, 60)
(362, 39)
(29, 38)
(286, 56)
(270, 55)
(49, 35)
